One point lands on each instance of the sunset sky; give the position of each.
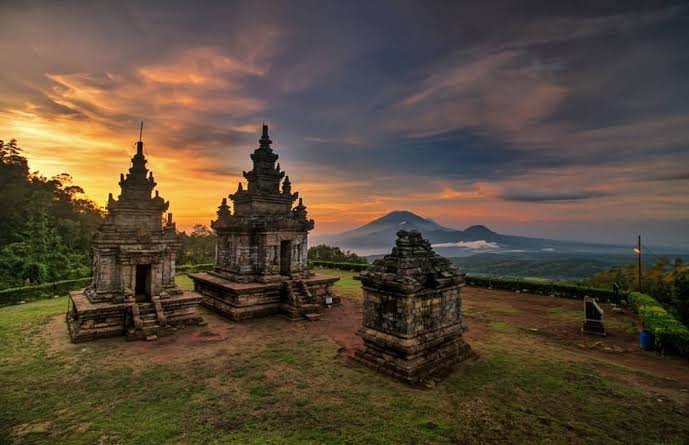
(542, 120)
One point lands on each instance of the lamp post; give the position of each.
(637, 249)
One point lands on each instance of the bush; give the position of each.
(356, 267)
(323, 252)
(543, 288)
(669, 333)
(47, 290)
(191, 268)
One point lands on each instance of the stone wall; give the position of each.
(412, 314)
(259, 254)
(147, 220)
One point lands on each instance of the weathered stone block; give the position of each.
(412, 322)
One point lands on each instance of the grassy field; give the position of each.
(272, 381)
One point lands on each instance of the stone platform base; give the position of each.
(89, 321)
(593, 327)
(420, 360)
(241, 301)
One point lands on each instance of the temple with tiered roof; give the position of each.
(261, 254)
(133, 290)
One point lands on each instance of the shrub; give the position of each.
(669, 333)
(46, 290)
(191, 268)
(323, 252)
(356, 267)
(542, 287)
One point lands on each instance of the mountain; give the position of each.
(381, 233)
(379, 236)
(381, 230)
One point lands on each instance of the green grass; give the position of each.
(565, 313)
(347, 286)
(626, 326)
(184, 282)
(502, 327)
(293, 389)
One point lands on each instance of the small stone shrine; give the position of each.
(260, 265)
(133, 290)
(412, 313)
(593, 321)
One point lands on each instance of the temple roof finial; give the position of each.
(287, 186)
(265, 139)
(140, 144)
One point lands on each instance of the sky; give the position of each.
(565, 120)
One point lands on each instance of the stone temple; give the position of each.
(412, 313)
(260, 265)
(133, 290)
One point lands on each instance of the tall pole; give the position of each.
(638, 247)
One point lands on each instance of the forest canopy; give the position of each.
(46, 225)
(323, 252)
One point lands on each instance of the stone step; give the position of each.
(311, 308)
(150, 330)
(313, 316)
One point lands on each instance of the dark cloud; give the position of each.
(548, 196)
(669, 176)
(465, 155)
(395, 93)
(207, 141)
(218, 170)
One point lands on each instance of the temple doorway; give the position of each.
(143, 283)
(285, 257)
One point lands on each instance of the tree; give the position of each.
(680, 291)
(45, 226)
(323, 252)
(197, 247)
(14, 190)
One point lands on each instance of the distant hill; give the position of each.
(553, 266)
(379, 235)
